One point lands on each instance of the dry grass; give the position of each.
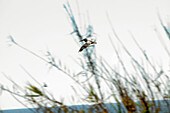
(134, 91)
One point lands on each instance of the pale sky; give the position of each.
(42, 25)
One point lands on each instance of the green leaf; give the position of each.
(32, 95)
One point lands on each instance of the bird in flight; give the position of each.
(87, 43)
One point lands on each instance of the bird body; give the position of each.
(87, 43)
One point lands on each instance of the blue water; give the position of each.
(110, 108)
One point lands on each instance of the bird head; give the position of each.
(94, 42)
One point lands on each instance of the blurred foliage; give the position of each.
(132, 91)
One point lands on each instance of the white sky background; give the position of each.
(42, 24)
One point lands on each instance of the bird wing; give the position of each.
(83, 40)
(84, 46)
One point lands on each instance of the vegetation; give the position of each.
(134, 90)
